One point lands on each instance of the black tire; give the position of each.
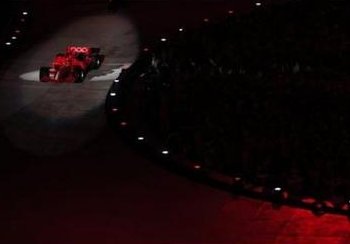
(79, 75)
(44, 74)
(97, 62)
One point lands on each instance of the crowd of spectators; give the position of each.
(265, 95)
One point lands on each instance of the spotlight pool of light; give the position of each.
(112, 94)
(8, 43)
(165, 152)
(181, 29)
(163, 39)
(258, 4)
(13, 37)
(25, 13)
(53, 122)
(277, 189)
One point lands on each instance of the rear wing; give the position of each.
(82, 49)
(78, 49)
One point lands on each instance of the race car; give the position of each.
(73, 65)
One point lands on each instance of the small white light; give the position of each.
(140, 138)
(25, 13)
(112, 94)
(230, 11)
(197, 166)
(17, 31)
(163, 39)
(277, 189)
(181, 29)
(8, 43)
(114, 109)
(13, 37)
(145, 49)
(23, 20)
(116, 80)
(206, 20)
(165, 152)
(237, 178)
(257, 4)
(123, 123)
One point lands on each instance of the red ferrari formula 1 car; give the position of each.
(73, 65)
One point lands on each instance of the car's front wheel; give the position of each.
(44, 74)
(79, 75)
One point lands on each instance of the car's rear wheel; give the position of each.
(98, 59)
(97, 62)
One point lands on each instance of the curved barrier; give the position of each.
(134, 128)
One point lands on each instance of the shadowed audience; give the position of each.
(264, 95)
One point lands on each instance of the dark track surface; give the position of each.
(98, 189)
